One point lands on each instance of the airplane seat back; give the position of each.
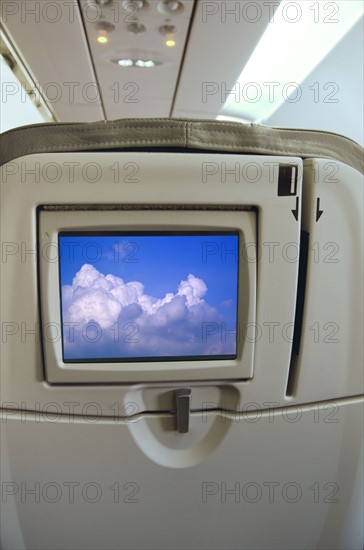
(181, 306)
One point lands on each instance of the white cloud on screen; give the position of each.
(171, 325)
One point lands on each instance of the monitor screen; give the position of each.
(148, 296)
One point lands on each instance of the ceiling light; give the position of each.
(102, 39)
(294, 43)
(170, 43)
(144, 64)
(143, 61)
(125, 62)
(149, 64)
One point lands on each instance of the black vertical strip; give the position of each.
(91, 58)
(300, 301)
(183, 57)
(39, 293)
(285, 175)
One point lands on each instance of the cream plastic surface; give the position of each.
(53, 223)
(102, 465)
(162, 179)
(276, 480)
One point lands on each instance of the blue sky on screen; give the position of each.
(148, 295)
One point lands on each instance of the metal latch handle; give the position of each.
(182, 397)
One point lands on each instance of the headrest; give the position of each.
(181, 134)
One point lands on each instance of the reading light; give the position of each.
(170, 7)
(294, 43)
(104, 3)
(136, 28)
(167, 30)
(132, 5)
(104, 27)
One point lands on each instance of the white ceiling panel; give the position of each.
(222, 38)
(51, 41)
(134, 91)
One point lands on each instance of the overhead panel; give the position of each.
(222, 38)
(50, 39)
(137, 49)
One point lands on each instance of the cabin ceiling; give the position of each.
(110, 59)
(81, 78)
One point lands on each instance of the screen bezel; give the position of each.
(52, 224)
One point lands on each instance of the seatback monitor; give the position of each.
(148, 295)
